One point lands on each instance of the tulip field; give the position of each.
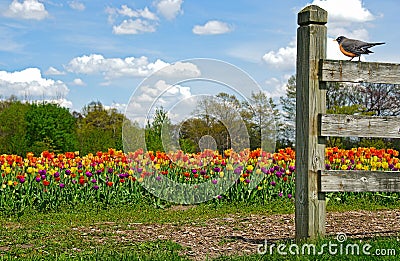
(49, 181)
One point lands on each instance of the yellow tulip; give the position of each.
(385, 165)
(229, 167)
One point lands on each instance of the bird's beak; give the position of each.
(334, 40)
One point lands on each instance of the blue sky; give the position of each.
(77, 51)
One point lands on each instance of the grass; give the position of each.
(362, 201)
(66, 233)
(88, 232)
(152, 250)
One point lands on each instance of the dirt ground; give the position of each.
(241, 235)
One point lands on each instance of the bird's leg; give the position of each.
(359, 58)
(351, 58)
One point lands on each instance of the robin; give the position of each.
(354, 48)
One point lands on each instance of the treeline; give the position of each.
(36, 127)
(219, 122)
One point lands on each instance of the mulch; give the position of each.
(238, 234)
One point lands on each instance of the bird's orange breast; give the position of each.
(349, 54)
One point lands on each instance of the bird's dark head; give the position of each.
(340, 39)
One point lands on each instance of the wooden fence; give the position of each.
(313, 125)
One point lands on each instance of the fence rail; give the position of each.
(346, 71)
(359, 181)
(341, 125)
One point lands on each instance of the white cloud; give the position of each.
(350, 21)
(163, 88)
(75, 4)
(62, 102)
(28, 9)
(178, 69)
(276, 87)
(120, 107)
(130, 66)
(78, 82)
(161, 93)
(30, 83)
(112, 67)
(53, 71)
(136, 26)
(284, 58)
(345, 10)
(169, 8)
(144, 20)
(144, 13)
(212, 27)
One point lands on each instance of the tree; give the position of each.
(158, 131)
(50, 127)
(378, 99)
(13, 127)
(133, 136)
(263, 121)
(288, 103)
(363, 99)
(99, 128)
(190, 133)
(220, 117)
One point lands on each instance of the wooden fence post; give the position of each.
(310, 101)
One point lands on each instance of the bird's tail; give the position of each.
(373, 44)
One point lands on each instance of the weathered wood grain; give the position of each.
(312, 15)
(341, 125)
(360, 181)
(347, 71)
(310, 101)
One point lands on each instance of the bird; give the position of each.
(354, 48)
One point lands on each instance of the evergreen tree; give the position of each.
(158, 132)
(288, 103)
